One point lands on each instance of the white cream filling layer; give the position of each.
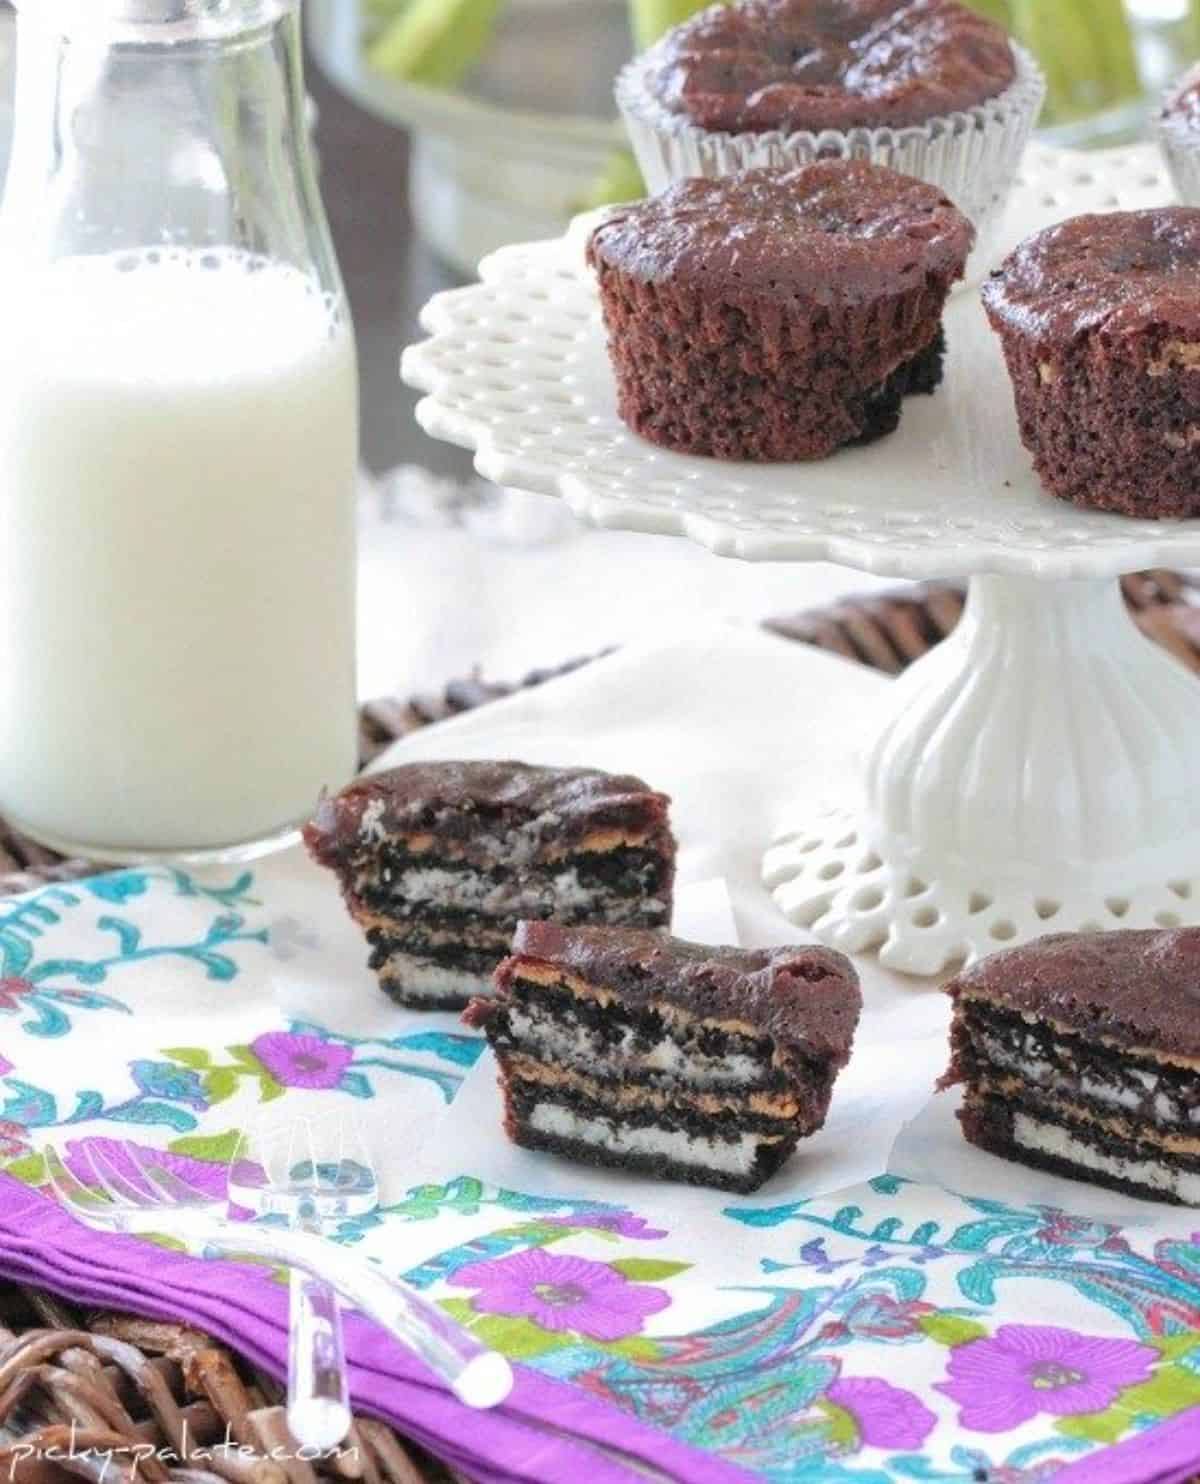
(472, 891)
(1026, 1064)
(734, 1158)
(433, 981)
(578, 1046)
(519, 846)
(1046, 1138)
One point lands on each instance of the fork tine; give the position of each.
(312, 1179)
(339, 1166)
(357, 1161)
(113, 1182)
(165, 1184)
(71, 1191)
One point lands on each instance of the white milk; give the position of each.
(178, 442)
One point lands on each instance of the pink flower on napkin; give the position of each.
(5, 1066)
(302, 1061)
(886, 1416)
(11, 992)
(562, 1293)
(13, 1141)
(1024, 1369)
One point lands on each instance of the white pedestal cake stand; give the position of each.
(1037, 771)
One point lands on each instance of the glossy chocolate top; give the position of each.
(836, 231)
(458, 800)
(1136, 988)
(1119, 273)
(808, 65)
(806, 998)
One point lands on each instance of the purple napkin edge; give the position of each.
(1167, 1453)
(379, 1365)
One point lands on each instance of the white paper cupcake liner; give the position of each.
(973, 156)
(1181, 147)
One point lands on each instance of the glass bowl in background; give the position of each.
(521, 146)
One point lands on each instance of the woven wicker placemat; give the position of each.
(886, 630)
(114, 1384)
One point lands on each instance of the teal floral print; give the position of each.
(45, 992)
(786, 1387)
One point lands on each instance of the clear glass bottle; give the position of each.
(178, 437)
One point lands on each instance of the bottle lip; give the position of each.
(155, 21)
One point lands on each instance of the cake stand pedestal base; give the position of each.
(1037, 773)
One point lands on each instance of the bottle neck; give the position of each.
(185, 132)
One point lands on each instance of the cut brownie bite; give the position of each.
(1080, 1054)
(439, 861)
(619, 1047)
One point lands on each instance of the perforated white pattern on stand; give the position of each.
(1035, 771)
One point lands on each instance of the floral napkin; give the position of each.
(848, 1323)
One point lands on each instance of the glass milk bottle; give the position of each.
(178, 437)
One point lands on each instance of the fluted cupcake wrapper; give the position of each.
(973, 156)
(1180, 145)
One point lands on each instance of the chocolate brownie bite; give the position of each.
(928, 87)
(777, 314)
(1080, 1054)
(439, 861)
(1179, 135)
(705, 1065)
(1099, 317)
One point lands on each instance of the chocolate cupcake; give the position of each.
(1100, 321)
(1179, 135)
(927, 87)
(777, 314)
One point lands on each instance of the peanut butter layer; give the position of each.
(527, 1068)
(480, 933)
(551, 977)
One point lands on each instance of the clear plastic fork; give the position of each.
(141, 1196)
(311, 1173)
